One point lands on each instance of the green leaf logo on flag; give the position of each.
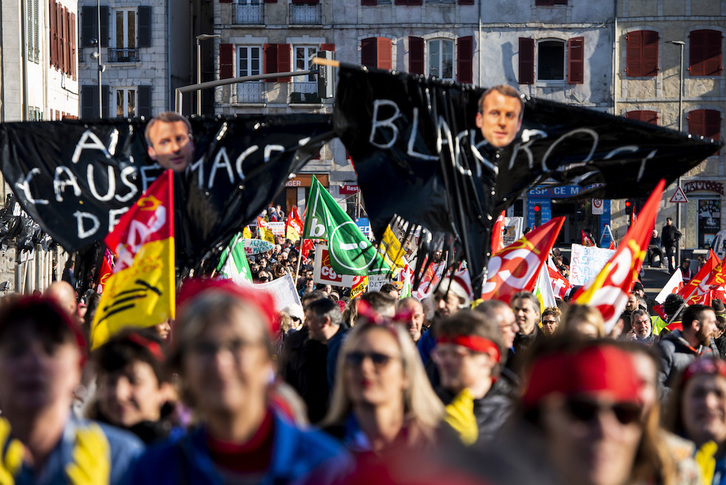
(351, 253)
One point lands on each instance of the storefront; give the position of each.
(297, 189)
(702, 212)
(546, 202)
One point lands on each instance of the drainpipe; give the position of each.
(480, 44)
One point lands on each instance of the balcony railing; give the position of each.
(305, 92)
(249, 14)
(306, 14)
(123, 55)
(251, 92)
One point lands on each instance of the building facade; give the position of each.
(663, 47)
(139, 69)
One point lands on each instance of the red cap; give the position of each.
(598, 369)
(704, 366)
(260, 299)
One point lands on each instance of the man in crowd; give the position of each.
(686, 271)
(451, 296)
(641, 328)
(415, 319)
(500, 115)
(527, 314)
(670, 236)
(468, 356)
(681, 347)
(654, 250)
(170, 142)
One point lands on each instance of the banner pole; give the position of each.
(299, 258)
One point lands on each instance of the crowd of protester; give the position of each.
(379, 388)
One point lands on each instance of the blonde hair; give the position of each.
(423, 411)
(583, 313)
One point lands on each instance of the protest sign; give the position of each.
(324, 273)
(586, 262)
(256, 246)
(277, 228)
(282, 290)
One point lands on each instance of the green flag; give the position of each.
(233, 262)
(351, 253)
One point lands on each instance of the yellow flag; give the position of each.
(392, 251)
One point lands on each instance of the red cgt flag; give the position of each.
(706, 282)
(293, 226)
(515, 268)
(498, 234)
(609, 291)
(560, 284)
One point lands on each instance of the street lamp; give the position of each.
(682, 46)
(200, 38)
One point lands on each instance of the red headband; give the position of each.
(704, 366)
(602, 368)
(257, 298)
(472, 342)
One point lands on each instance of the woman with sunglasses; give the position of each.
(223, 353)
(698, 412)
(579, 420)
(382, 399)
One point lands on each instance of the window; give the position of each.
(249, 12)
(304, 61)
(641, 53)
(705, 122)
(306, 12)
(705, 53)
(123, 37)
(552, 60)
(646, 116)
(377, 52)
(249, 63)
(125, 100)
(441, 59)
(33, 31)
(549, 3)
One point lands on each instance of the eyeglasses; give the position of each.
(586, 411)
(355, 359)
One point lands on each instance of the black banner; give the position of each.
(76, 178)
(419, 155)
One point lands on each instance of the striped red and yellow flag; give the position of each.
(141, 290)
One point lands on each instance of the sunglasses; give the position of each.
(586, 411)
(355, 359)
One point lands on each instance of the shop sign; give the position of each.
(703, 186)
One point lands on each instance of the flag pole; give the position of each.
(299, 258)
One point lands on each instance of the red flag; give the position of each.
(609, 291)
(612, 245)
(560, 284)
(715, 280)
(691, 288)
(498, 234)
(294, 225)
(307, 245)
(515, 268)
(586, 241)
(106, 270)
(141, 291)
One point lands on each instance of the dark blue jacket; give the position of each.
(297, 455)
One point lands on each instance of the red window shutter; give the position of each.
(705, 53)
(284, 52)
(51, 14)
(576, 60)
(385, 53)
(526, 60)
(697, 122)
(633, 54)
(465, 59)
(226, 61)
(327, 47)
(369, 2)
(270, 54)
(67, 37)
(650, 53)
(646, 116)
(466, 2)
(705, 122)
(74, 54)
(59, 34)
(415, 55)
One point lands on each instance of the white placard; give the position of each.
(586, 262)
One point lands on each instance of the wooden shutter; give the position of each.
(144, 101)
(270, 55)
(144, 22)
(53, 34)
(58, 36)
(576, 60)
(74, 46)
(385, 53)
(705, 122)
(465, 59)
(88, 25)
(105, 33)
(415, 55)
(705, 53)
(106, 91)
(66, 42)
(327, 47)
(284, 62)
(368, 49)
(89, 101)
(526, 60)
(226, 61)
(369, 2)
(650, 53)
(633, 54)
(646, 116)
